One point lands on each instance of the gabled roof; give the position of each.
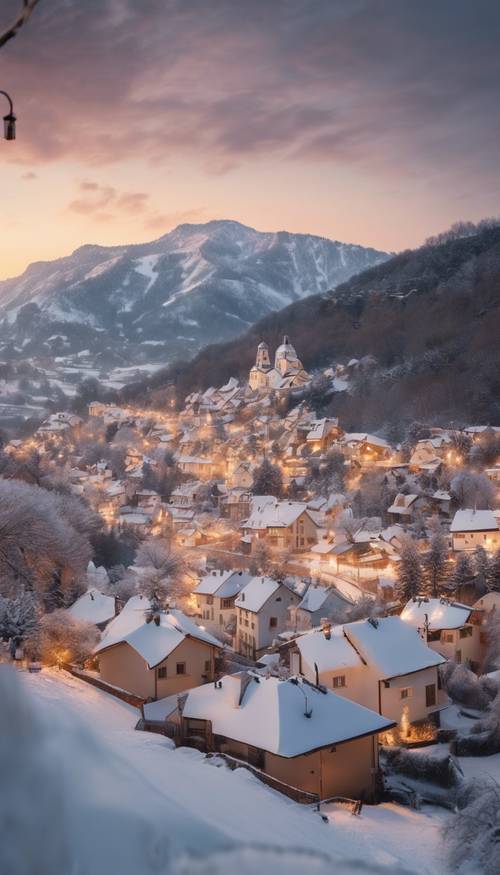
(93, 607)
(314, 598)
(391, 646)
(402, 504)
(327, 654)
(271, 714)
(273, 512)
(474, 521)
(151, 641)
(256, 593)
(436, 613)
(223, 585)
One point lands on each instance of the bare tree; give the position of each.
(27, 8)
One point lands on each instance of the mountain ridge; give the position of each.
(427, 319)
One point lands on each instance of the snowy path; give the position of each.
(140, 800)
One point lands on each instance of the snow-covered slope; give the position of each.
(166, 299)
(84, 793)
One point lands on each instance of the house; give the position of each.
(186, 494)
(365, 448)
(322, 434)
(94, 607)
(403, 508)
(235, 505)
(446, 627)
(287, 525)
(312, 743)
(215, 596)
(59, 422)
(441, 500)
(262, 612)
(382, 664)
(97, 408)
(475, 528)
(199, 466)
(317, 602)
(154, 656)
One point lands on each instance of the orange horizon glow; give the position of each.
(357, 122)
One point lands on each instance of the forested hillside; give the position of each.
(429, 320)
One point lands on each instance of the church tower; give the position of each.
(258, 374)
(263, 362)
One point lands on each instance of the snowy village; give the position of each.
(249, 437)
(316, 609)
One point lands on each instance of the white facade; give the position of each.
(262, 613)
(403, 686)
(475, 528)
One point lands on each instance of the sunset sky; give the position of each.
(368, 121)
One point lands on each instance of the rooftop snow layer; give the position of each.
(256, 593)
(271, 715)
(93, 607)
(437, 613)
(474, 521)
(392, 646)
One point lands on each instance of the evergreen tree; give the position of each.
(462, 575)
(435, 562)
(493, 575)
(21, 616)
(482, 567)
(410, 576)
(267, 480)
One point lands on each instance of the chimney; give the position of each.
(245, 679)
(326, 627)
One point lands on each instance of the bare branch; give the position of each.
(10, 33)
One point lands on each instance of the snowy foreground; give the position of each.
(88, 795)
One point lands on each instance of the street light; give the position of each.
(9, 120)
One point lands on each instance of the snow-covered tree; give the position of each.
(435, 561)
(491, 630)
(493, 573)
(410, 575)
(40, 537)
(482, 569)
(472, 835)
(164, 572)
(267, 480)
(462, 574)
(472, 490)
(463, 686)
(21, 617)
(59, 638)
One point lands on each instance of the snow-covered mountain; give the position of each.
(124, 306)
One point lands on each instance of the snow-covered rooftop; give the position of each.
(314, 598)
(224, 584)
(436, 613)
(256, 593)
(392, 646)
(327, 653)
(272, 714)
(155, 641)
(93, 607)
(273, 512)
(474, 521)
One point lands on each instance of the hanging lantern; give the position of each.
(9, 126)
